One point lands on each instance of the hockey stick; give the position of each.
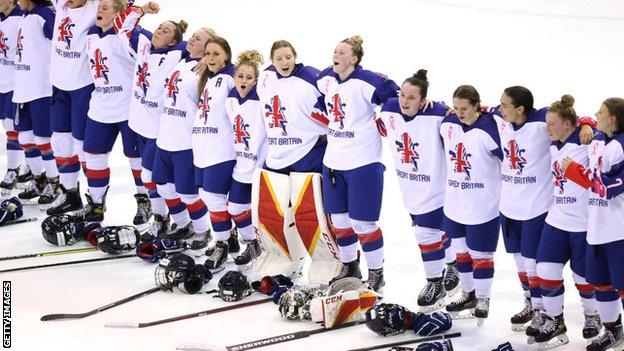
(284, 338)
(18, 221)
(67, 263)
(57, 316)
(411, 341)
(123, 324)
(50, 253)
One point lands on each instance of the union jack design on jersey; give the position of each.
(171, 85)
(514, 154)
(559, 178)
(204, 105)
(276, 110)
(65, 31)
(3, 44)
(408, 150)
(19, 47)
(142, 75)
(598, 186)
(460, 157)
(241, 135)
(98, 67)
(336, 109)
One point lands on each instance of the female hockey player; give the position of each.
(525, 194)
(156, 54)
(294, 111)
(412, 129)
(72, 86)
(564, 235)
(245, 114)
(174, 172)
(473, 153)
(10, 16)
(605, 230)
(111, 69)
(32, 92)
(352, 171)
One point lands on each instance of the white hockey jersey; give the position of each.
(32, 55)
(293, 115)
(8, 39)
(111, 70)
(606, 200)
(249, 134)
(179, 107)
(418, 154)
(69, 68)
(152, 67)
(212, 129)
(525, 170)
(473, 156)
(569, 206)
(352, 139)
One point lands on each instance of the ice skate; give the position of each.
(464, 307)
(432, 297)
(552, 333)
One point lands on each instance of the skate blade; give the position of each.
(451, 293)
(22, 186)
(530, 340)
(465, 314)
(480, 321)
(30, 202)
(519, 327)
(435, 307)
(559, 340)
(5, 192)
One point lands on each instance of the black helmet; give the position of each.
(174, 270)
(234, 286)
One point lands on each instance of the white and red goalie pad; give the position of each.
(288, 213)
(343, 307)
(311, 225)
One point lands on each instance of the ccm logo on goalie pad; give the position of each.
(328, 242)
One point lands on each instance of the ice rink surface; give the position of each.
(550, 46)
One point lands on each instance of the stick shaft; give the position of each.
(50, 253)
(67, 263)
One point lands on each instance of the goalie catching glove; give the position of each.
(60, 231)
(115, 239)
(157, 249)
(180, 271)
(391, 319)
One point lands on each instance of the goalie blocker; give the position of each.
(291, 225)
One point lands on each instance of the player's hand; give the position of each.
(201, 66)
(565, 163)
(150, 8)
(586, 135)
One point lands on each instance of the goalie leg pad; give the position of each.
(312, 226)
(282, 250)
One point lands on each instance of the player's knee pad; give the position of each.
(340, 220)
(578, 279)
(426, 235)
(235, 209)
(530, 266)
(78, 145)
(550, 270)
(135, 162)
(363, 227)
(62, 144)
(26, 137)
(459, 245)
(7, 124)
(96, 161)
(167, 191)
(189, 199)
(146, 175)
(481, 255)
(215, 202)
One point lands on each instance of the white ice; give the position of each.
(550, 46)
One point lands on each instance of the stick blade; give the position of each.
(122, 324)
(59, 316)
